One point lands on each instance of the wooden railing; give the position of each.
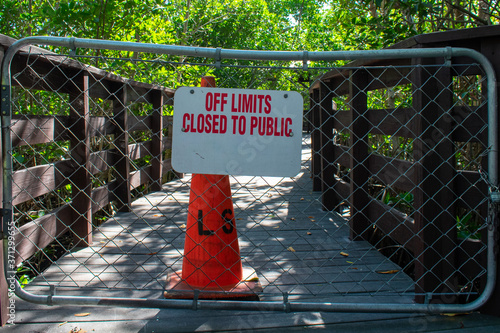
(41, 70)
(433, 124)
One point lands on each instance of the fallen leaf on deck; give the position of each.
(309, 233)
(239, 218)
(63, 323)
(291, 249)
(157, 215)
(152, 253)
(349, 262)
(292, 218)
(182, 226)
(454, 314)
(391, 271)
(83, 314)
(311, 217)
(301, 199)
(344, 254)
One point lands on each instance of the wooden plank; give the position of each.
(139, 177)
(167, 166)
(397, 122)
(122, 160)
(39, 233)
(358, 163)
(435, 223)
(470, 124)
(31, 130)
(392, 172)
(101, 161)
(157, 141)
(100, 126)
(138, 123)
(328, 170)
(33, 182)
(472, 188)
(139, 150)
(315, 141)
(393, 223)
(101, 197)
(80, 154)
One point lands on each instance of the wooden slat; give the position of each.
(157, 141)
(473, 190)
(397, 122)
(36, 181)
(30, 130)
(121, 159)
(167, 166)
(138, 123)
(328, 168)
(100, 126)
(41, 232)
(342, 155)
(101, 161)
(358, 163)
(101, 196)
(343, 189)
(471, 124)
(139, 150)
(393, 223)
(139, 177)
(80, 153)
(393, 172)
(315, 141)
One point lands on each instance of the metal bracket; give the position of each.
(5, 100)
(195, 299)
(305, 58)
(72, 52)
(447, 58)
(52, 293)
(218, 57)
(286, 304)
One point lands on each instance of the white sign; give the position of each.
(237, 131)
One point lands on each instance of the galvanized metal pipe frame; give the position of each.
(219, 54)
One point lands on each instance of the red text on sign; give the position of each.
(213, 100)
(270, 126)
(251, 103)
(204, 123)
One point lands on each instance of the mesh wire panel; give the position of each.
(390, 204)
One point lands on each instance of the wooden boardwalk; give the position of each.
(294, 246)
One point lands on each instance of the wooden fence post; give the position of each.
(80, 154)
(329, 198)
(359, 129)
(122, 158)
(157, 141)
(433, 151)
(316, 141)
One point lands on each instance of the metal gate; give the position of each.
(393, 209)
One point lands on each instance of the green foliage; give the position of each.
(401, 201)
(468, 226)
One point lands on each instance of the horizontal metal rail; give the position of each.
(218, 54)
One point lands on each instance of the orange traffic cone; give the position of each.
(211, 262)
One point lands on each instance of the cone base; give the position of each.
(246, 290)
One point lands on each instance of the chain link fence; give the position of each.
(391, 205)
